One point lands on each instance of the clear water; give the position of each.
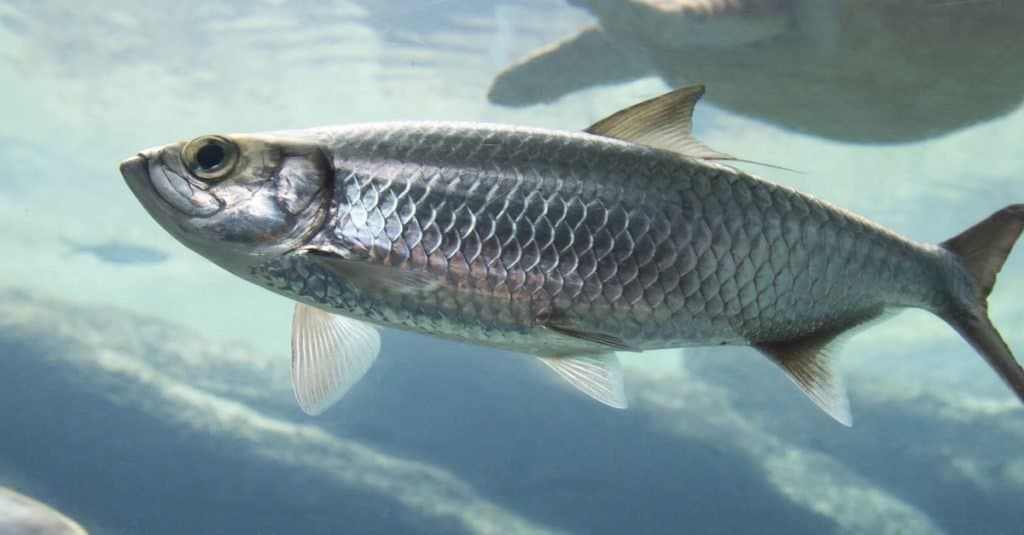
(189, 426)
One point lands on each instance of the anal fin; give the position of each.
(598, 376)
(808, 362)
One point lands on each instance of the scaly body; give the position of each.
(567, 246)
(643, 244)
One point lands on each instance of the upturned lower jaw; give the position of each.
(135, 169)
(159, 187)
(185, 198)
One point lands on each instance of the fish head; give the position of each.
(235, 199)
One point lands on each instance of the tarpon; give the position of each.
(629, 236)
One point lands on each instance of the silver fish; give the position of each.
(629, 236)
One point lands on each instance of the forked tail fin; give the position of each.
(982, 250)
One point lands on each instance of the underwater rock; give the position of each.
(21, 515)
(120, 414)
(878, 71)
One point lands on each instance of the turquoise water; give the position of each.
(446, 438)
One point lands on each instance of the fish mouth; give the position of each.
(161, 187)
(135, 170)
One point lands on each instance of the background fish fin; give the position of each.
(559, 325)
(581, 61)
(330, 354)
(808, 362)
(372, 277)
(598, 376)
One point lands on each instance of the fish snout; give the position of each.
(161, 187)
(135, 172)
(135, 169)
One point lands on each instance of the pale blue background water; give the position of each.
(87, 84)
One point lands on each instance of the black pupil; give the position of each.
(210, 156)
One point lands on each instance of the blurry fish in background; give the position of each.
(629, 236)
(117, 252)
(865, 72)
(21, 515)
(465, 39)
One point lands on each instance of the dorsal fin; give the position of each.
(665, 122)
(807, 361)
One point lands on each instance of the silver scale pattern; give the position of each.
(642, 244)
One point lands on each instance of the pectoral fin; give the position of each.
(330, 354)
(598, 376)
(372, 277)
(556, 322)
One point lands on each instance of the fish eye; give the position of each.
(210, 157)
